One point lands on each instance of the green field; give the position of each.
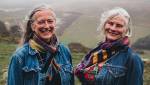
(6, 51)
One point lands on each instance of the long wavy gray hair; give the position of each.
(28, 34)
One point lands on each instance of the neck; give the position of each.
(109, 40)
(44, 40)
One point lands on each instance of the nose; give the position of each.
(47, 25)
(113, 27)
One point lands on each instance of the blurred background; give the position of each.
(77, 22)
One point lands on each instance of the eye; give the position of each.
(50, 21)
(40, 22)
(119, 25)
(110, 23)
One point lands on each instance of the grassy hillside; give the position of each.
(83, 30)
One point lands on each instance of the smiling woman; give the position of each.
(112, 62)
(41, 60)
(44, 23)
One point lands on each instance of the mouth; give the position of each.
(43, 30)
(113, 32)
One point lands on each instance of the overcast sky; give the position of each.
(77, 5)
(19, 3)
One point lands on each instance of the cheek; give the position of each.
(107, 27)
(124, 31)
(35, 30)
(34, 27)
(54, 25)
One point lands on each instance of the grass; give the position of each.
(6, 51)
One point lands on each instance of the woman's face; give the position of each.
(44, 24)
(115, 28)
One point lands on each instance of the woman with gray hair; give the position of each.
(41, 60)
(112, 62)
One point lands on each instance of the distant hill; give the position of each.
(142, 43)
(3, 30)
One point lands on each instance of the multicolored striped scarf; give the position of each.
(92, 63)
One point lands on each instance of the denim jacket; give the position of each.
(24, 67)
(123, 68)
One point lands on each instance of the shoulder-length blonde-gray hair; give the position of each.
(117, 11)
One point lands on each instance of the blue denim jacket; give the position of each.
(24, 67)
(124, 68)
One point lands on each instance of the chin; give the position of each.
(111, 38)
(46, 37)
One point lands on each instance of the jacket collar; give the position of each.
(31, 51)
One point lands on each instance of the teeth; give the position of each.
(114, 33)
(45, 30)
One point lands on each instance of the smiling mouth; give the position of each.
(42, 30)
(113, 32)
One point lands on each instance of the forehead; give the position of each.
(45, 13)
(118, 19)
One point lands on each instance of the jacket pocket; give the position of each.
(30, 71)
(66, 74)
(31, 68)
(116, 71)
(110, 75)
(30, 75)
